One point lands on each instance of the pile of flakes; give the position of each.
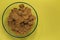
(21, 20)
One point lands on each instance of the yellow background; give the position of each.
(48, 23)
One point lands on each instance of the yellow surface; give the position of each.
(48, 24)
